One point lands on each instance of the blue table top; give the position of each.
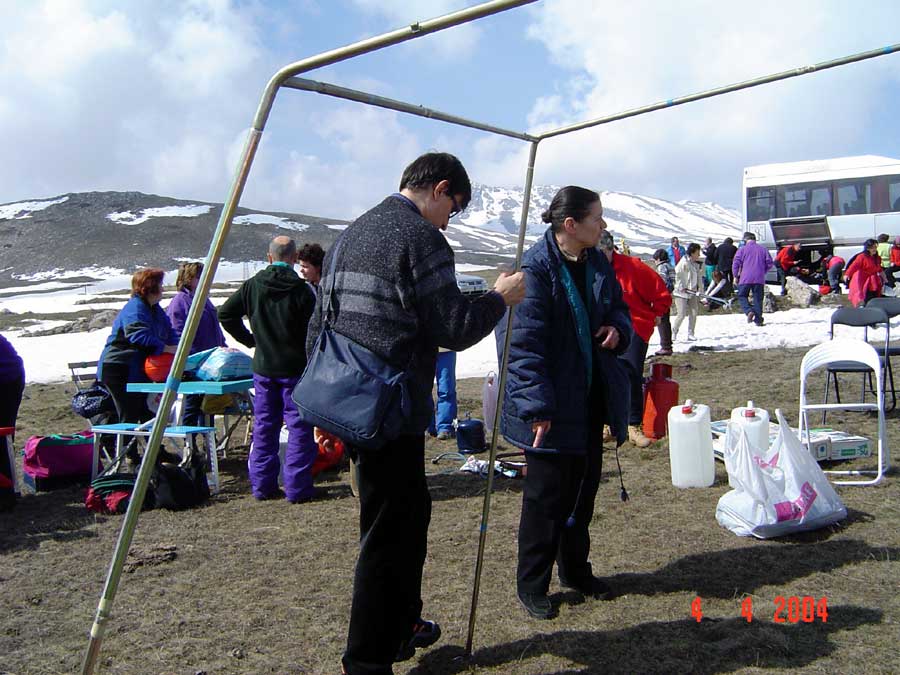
(193, 387)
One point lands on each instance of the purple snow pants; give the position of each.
(272, 404)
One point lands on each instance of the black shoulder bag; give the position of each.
(349, 390)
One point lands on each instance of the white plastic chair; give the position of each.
(845, 350)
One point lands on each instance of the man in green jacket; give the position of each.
(278, 304)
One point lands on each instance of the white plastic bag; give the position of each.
(781, 492)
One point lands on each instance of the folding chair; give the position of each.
(83, 373)
(891, 307)
(865, 318)
(844, 351)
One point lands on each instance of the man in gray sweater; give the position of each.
(395, 292)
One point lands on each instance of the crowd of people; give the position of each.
(578, 342)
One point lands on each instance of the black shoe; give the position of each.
(305, 500)
(277, 494)
(537, 604)
(592, 588)
(760, 321)
(425, 634)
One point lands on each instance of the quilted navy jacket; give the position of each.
(547, 378)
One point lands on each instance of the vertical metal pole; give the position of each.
(104, 608)
(495, 431)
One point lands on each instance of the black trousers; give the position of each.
(557, 487)
(395, 510)
(665, 331)
(10, 399)
(130, 406)
(635, 356)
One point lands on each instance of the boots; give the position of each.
(636, 436)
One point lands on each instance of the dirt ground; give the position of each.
(241, 586)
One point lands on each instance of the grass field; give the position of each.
(241, 586)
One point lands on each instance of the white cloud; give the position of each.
(624, 55)
(456, 42)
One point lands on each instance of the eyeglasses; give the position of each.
(456, 207)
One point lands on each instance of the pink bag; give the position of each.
(59, 455)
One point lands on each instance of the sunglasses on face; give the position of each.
(456, 207)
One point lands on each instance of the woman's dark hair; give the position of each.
(728, 240)
(570, 202)
(869, 243)
(146, 281)
(693, 247)
(312, 254)
(661, 255)
(433, 167)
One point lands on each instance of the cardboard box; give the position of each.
(825, 445)
(844, 445)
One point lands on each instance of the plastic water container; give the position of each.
(755, 422)
(660, 394)
(490, 392)
(690, 446)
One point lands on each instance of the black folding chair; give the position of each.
(865, 318)
(891, 307)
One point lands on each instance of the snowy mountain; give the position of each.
(85, 236)
(644, 222)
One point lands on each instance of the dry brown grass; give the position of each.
(263, 587)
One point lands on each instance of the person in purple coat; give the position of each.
(749, 268)
(209, 333)
(12, 386)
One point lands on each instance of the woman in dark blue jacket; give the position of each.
(564, 383)
(140, 329)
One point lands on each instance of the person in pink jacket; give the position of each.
(864, 274)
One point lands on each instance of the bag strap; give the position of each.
(332, 272)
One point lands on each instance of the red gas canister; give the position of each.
(660, 394)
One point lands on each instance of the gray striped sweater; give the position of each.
(395, 292)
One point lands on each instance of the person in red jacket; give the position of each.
(647, 297)
(895, 260)
(864, 274)
(786, 264)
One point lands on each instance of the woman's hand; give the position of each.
(540, 430)
(170, 349)
(608, 337)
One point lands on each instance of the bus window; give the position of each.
(760, 203)
(820, 201)
(854, 197)
(894, 192)
(796, 202)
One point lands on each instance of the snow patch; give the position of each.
(142, 216)
(264, 219)
(21, 210)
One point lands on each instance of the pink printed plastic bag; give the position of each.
(780, 493)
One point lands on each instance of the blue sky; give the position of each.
(157, 97)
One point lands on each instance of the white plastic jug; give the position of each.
(490, 392)
(690, 446)
(755, 422)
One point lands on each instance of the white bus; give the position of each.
(829, 205)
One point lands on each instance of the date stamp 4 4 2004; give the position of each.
(792, 609)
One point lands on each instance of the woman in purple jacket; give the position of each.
(12, 385)
(209, 333)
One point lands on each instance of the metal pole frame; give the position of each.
(286, 77)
